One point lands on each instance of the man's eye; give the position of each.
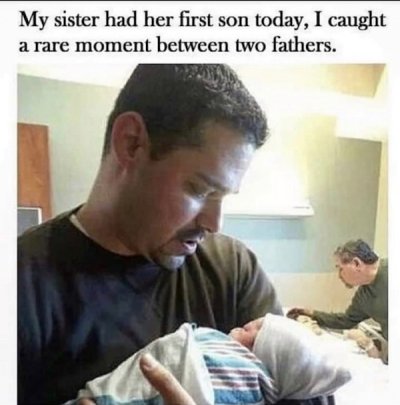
(198, 191)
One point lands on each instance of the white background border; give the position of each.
(373, 46)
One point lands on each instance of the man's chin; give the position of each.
(170, 262)
(349, 286)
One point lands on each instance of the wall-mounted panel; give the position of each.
(33, 168)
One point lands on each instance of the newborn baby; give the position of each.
(293, 355)
(266, 360)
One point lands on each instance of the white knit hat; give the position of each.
(296, 360)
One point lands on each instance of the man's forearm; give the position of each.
(334, 320)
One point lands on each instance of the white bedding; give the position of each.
(370, 377)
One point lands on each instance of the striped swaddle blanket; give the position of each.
(211, 366)
(236, 375)
(216, 370)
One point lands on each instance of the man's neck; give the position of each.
(78, 225)
(97, 216)
(100, 227)
(371, 272)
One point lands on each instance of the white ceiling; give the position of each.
(108, 75)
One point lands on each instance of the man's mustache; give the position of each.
(191, 234)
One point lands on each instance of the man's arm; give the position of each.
(353, 315)
(257, 294)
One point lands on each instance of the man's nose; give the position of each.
(210, 217)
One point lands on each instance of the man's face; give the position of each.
(166, 206)
(247, 334)
(349, 273)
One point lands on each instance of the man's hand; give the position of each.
(162, 380)
(295, 312)
(364, 342)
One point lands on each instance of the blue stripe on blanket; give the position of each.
(110, 400)
(237, 375)
(238, 397)
(205, 334)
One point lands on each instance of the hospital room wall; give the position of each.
(381, 233)
(342, 177)
(76, 115)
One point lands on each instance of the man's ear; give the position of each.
(357, 262)
(129, 137)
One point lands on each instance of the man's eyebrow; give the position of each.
(214, 183)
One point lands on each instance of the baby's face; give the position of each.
(247, 334)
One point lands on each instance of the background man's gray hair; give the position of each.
(356, 248)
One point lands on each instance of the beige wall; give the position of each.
(310, 289)
(381, 227)
(322, 291)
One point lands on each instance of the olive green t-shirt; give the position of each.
(370, 301)
(82, 309)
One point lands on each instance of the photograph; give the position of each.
(199, 202)
(203, 194)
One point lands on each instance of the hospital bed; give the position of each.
(370, 376)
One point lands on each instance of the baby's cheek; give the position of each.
(246, 340)
(237, 335)
(253, 339)
(250, 342)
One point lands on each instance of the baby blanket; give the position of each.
(287, 363)
(211, 366)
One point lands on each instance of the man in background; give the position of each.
(358, 266)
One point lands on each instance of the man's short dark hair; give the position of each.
(356, 248)
(176, 101)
